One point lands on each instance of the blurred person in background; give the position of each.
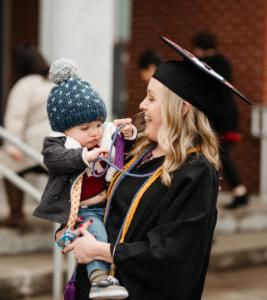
(227, 125)
(148, 63)
(26, 118)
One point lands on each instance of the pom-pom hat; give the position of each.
(194, 81)
(72, 101)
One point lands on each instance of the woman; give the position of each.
(160, 227)
(26, 118)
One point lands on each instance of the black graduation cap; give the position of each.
(194, 81)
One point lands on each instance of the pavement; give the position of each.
(238, 284)
(25, 275)
(238, 266)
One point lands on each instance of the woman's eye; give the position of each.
(84, 128)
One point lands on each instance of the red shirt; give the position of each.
(91, 186)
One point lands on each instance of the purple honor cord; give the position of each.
(118, 142)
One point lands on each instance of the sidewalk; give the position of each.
(240, 284)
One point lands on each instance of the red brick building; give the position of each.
(240, 28)
(19, 22)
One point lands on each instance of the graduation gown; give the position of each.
(166, 250)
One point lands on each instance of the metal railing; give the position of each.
(36, 194)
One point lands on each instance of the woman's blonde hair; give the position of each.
(178, 133)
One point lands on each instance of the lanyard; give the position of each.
(120, 176)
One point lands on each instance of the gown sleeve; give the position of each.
(172, 260)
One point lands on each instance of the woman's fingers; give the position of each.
(83, 230)
(68, 248)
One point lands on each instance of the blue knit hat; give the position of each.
(72, 101)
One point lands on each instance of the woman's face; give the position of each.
(151, 106)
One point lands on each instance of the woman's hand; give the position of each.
(86, 248)
(60, 232)
(16, 154)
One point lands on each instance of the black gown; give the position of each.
(166, 250)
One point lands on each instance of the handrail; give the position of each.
(36, 194)
(20, 182)
(13, 139)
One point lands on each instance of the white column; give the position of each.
(82, 30)
(263, 155)
(259, 129)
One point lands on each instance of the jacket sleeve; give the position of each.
(62, 161)
(18, 107)
(178, 247)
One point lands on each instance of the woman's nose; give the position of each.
(142, 105)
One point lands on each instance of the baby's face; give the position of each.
(87, 134)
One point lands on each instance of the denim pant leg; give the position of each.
(97, 229)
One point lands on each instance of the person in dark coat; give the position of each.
(160, 226)
(227, 124)
(148, 62)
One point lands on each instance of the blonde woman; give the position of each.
(160, 227)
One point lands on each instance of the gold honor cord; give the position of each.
(141, 192)
(136, 202)
(154, 176)
(138, 197)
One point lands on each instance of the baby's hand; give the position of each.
(93, 154)
(127, 130)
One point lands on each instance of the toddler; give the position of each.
(76, 114)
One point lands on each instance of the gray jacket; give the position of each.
(64, 166)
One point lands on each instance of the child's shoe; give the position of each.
(108, 288)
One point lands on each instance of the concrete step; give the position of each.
(25, 275)
(240, 284)
(248, 218)
(38, 236)
(239, 250)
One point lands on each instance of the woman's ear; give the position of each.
(186, 107)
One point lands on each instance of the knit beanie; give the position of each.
(72, 101)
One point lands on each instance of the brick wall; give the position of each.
(23, 27)
(240, 28)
